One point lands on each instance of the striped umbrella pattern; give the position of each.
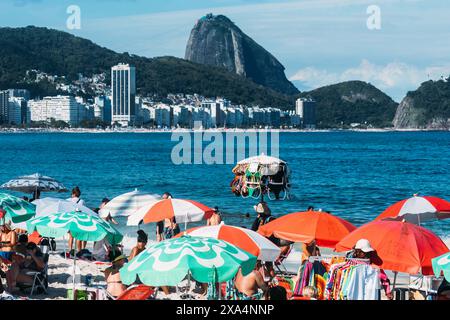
(418, 209)
(17, 210)
(128, 203)
(34, 182)
(244, 239)
(168, 262)
(182, 210)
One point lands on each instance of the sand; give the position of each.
(60, 270)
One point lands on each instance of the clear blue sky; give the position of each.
(318, 41)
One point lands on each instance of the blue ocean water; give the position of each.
(355, 175)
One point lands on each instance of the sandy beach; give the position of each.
(60, 269)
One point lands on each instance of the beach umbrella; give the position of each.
(128, 203)
(242, 238)
(81, 225)
(323, 227)
(400, 246)
(418, 209)
(441, 265)
(17, 209)
(47, 206)
(268, 165)
(33, 183)
(180, 209)
(168, 262)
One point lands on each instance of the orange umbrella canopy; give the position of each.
(400, 246)
(181, 209)
(323, 227)
(418, 208)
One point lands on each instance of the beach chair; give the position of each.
(281, 268)
(40, 278)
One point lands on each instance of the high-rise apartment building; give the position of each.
(123, 87)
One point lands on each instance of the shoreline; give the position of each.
(222, 130)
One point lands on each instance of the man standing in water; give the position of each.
(215, 219)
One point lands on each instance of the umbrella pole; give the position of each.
(395, 280)
(74, 272)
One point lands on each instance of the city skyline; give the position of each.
(319, 42)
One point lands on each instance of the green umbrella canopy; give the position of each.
(17, 209)
(82, 226)
(442, 264)
(168, 262)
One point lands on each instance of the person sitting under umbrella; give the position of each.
(31, 259)
(8, 237)
(363, 250)
(249, 286)
(115, 287)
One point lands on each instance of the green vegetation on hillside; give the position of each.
(59, 53)
(433, 98)
(344, 103)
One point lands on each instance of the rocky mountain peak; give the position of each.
(215, 40)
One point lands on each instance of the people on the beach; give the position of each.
(250, 284)
(160, 231)
(310, 250)
(142, 240)
(32, 259)
(264, 215)
(8, 238)
(75, 197)
(115, 287)
(171, 228)
(215, 219)
(363, 250)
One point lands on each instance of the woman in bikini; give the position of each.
(112, 275)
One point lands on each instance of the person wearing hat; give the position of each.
(363, 250)
(264, 215)
(8, 237)
(115, 287)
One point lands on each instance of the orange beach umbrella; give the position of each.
(418, 209)
(400, 246)
(323, 227)
(181, 209)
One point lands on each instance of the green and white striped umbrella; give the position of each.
(168, 262)
(442, 264)
(82, 226)
(17, 209)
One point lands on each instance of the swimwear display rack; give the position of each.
(330, 257)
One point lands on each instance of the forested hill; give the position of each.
(60, 53)
(352, 102)
(428, 107)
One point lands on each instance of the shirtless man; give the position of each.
(215, 219)
(250, 283)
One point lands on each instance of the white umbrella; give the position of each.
(33, 183)
(242, 238)
(49, 205)
(128, 203)
(262, 159)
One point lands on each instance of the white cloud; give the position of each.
(395, 78)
